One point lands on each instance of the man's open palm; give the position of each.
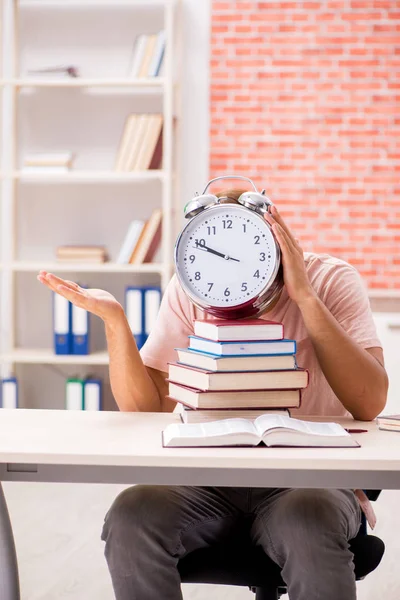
(99, 302)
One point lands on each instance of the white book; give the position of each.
(158, 54)
(152, 301)
(271, 430)
(204, 416)
(9, 393)
(133, 310)
(139, 49)
(74, 395)
(45, 170)
(135, 142)
(48, 159)
(126, 141)
(92, 395)
(129, 243)
(255, 348)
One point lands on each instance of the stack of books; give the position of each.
(142, 240)
(148, 55)
(81, 254)
(389, 422)
(54, 163)
(234, 366)
(141, 143)
(244, 369)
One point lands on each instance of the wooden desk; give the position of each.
(113, 447)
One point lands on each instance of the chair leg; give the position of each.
(9, 582)
(267, 594)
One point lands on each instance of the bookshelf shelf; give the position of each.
(88, 176)
(27, 267)
(47, 356)
(137, 85)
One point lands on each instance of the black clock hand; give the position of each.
(208, 249)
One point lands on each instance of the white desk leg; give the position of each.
(9, 581)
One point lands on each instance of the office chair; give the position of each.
(237, 561)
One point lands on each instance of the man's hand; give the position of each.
(100, 303)
(294, 271)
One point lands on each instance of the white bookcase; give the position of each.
(91, 204)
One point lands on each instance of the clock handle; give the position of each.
(229, 177)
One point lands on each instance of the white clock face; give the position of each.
(226, 256)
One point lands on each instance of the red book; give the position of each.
(244, 399)
(221, 330)
(238, 380)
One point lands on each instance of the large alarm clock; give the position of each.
(227, 259)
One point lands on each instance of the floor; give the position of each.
(57, 529)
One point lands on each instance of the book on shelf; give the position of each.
(81, 254)
(239, 348)
(74, 393)
(220, 330)
(93, 394)
(130, 241)
(139, 48)
(42, 170)
(140, 147)
(389, 422)
(55, 159)
(237, 380)
(141, 308)
(200, 399)
(9, 392)
(151, 137)
(158, 55)
(135, 141)
(269, 430)
(149, 239)
(147, 55)
(211, 362)
(188, 415)
(126, 141)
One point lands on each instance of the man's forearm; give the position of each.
(132, 387)
(355, 376)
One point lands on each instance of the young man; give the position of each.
(324, 307)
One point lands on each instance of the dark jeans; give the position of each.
(306, 532)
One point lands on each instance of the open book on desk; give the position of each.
(271, 430)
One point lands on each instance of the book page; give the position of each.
(268, 422)
(210, 429)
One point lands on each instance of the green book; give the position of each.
(74, 394)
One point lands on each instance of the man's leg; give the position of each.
(147, 530)
(306, 532)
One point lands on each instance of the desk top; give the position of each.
(133, 440)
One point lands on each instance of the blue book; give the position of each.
(80, 330)
(134, 310)
(152, 301)
(93, 396)
(9, 393)
(256, 348)
(62, 322)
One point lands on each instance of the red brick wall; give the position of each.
(305, 98)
